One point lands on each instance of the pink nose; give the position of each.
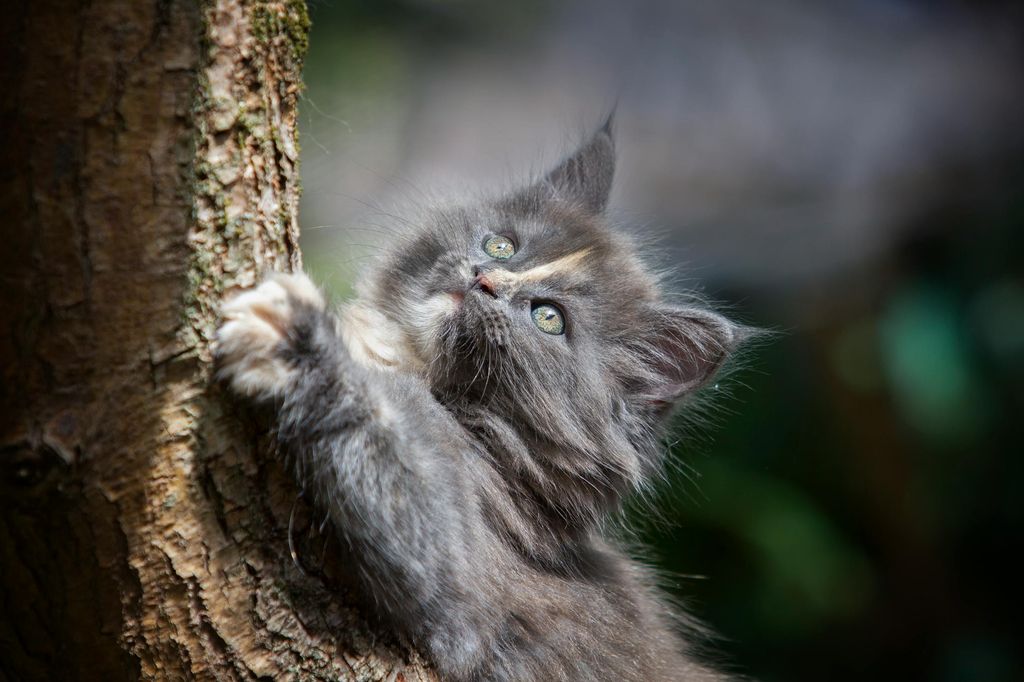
(485, 285)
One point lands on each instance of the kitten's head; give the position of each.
(530, 311)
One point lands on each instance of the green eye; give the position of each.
(500, 248)
(548, 319)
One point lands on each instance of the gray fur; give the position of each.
(470, 484)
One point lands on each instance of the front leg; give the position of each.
(377, 453)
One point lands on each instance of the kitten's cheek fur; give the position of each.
(428, 317)
(256, 325)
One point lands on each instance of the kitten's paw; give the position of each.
(252, 349)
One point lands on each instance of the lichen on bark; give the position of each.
(245, 185)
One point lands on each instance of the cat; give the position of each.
(502, 381)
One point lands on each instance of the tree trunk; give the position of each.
(149, 165)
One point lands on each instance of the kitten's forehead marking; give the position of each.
(566, 264)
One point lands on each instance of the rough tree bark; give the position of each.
(149, 165)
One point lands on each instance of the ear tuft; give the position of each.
(585, 177)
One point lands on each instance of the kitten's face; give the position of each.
(517, 307)
(533, 306)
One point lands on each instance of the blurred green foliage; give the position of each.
(859, 511)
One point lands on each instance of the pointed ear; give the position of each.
(585, 177)
(685, 347)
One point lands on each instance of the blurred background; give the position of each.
(848, 173)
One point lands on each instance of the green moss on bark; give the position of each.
(288, 19)
(245, 167)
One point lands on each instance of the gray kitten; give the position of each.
(502, 381)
